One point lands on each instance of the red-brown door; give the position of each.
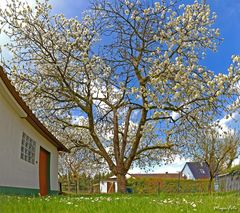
(43, 171)
(110, 187)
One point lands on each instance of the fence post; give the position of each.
(179, 182)
(60, 188)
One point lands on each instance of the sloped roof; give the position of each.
(232, 173)
(114, 177)
(157, 175)
(31, 118)
(150, 175)
(199, 170)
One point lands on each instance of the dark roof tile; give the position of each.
(199, 170)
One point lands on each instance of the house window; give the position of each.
(28, 149)
(202, 171)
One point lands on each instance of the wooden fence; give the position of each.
(78, 188)
(228, 182)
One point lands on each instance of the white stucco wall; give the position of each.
(187, 172)
(103, 186)
(14, 171)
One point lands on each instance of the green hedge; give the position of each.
(156, 185)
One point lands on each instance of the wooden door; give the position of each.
(44, 171)
(110, 187)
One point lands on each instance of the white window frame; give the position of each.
(28, 149)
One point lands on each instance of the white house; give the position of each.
(28, 151)
(110, 185)
(195, 171)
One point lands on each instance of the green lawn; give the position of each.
(122, 203)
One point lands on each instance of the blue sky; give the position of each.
(228, 21)
(228, 12)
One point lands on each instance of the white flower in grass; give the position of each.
(109, 199)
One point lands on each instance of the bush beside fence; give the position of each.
(155, 185)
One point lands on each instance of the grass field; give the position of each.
(163, 203)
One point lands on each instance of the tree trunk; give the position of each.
(121, 183)
(210, 185)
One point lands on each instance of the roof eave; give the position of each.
(29, 116)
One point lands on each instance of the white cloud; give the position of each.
(236, 162)
(228, 122)
(174, 167)
(223, 123)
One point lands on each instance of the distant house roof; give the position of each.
(157, 175)
(30, 117)
(199, 170)
(114, 177)
(151, 175)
